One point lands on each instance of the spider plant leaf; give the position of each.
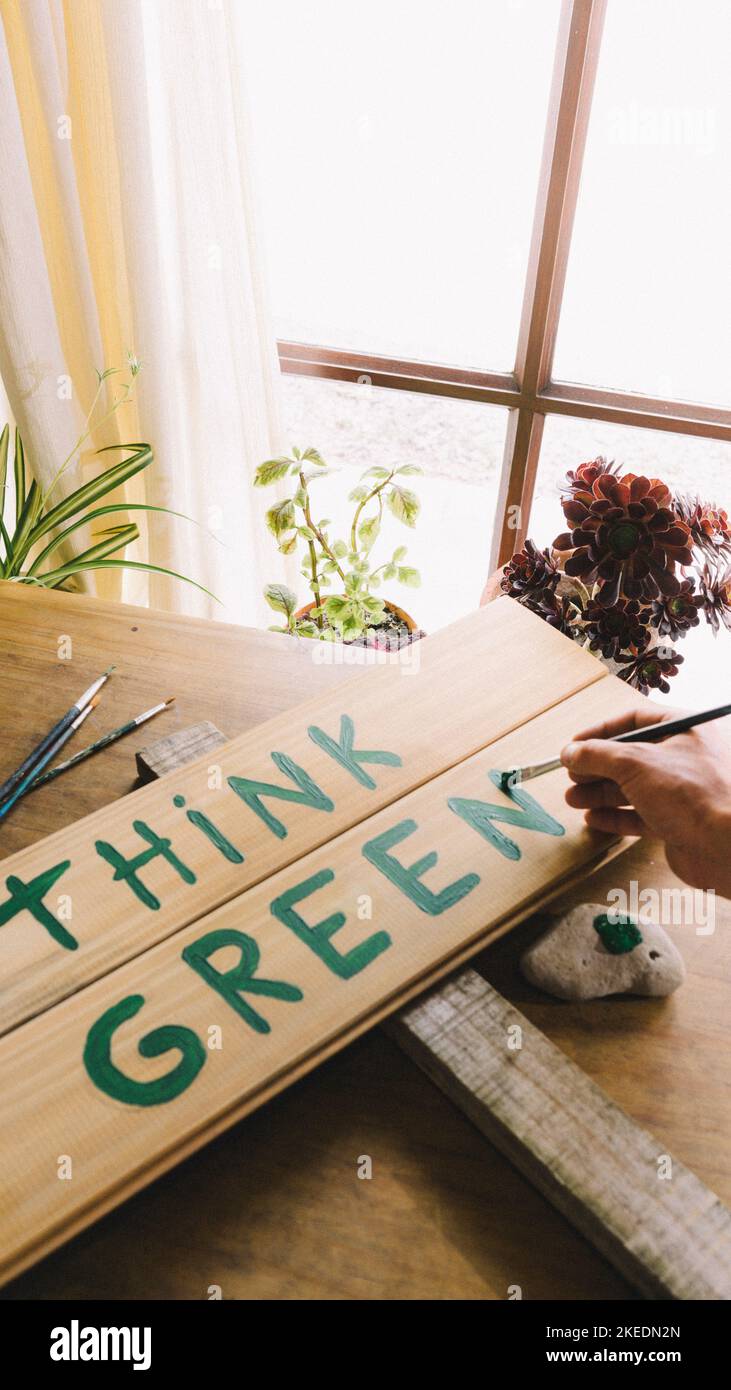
(90, 492)
(27, 519)
(87, 517)
(72, 568)
(19, 470)
(4, 441)
(115, 538)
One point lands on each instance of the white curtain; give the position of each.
(127, 223)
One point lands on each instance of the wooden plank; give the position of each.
(178, 749)
(452, 694)
(657, 1223)
(119, 1134)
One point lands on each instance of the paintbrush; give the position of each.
(102, 742)
(32, 762)
(51, 752)
(650, 734)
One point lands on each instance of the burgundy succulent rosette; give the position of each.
(638, 565)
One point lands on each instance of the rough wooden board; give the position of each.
(670, 1237)
(177, 749)
(469, 691)
(50, 1106)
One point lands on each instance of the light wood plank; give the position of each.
(51, 1105)
(657, 1223)
(456, 693)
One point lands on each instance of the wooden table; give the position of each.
(275, 1208)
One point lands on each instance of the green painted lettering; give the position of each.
(113, 1082)
(309, 794)
(348, 756)
(127, 868)
(318, 937)
(28, 897)
(212, 833)
(409, 880)
(481, 815)
(231, 984)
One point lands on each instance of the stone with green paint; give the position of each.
(619, 934)
(573, 960)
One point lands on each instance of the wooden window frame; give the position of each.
(529, 392)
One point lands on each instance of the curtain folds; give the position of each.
(127, 226)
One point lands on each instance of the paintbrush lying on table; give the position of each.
(25, 783)
(31, 764)
(102, 742)
(652, 733)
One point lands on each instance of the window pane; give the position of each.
(459, 446)
(686, 464)
(397, 151)
(648, 293)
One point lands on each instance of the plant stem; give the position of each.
(308, 518)
(373, 493)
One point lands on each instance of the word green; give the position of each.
(481, 815)
(113, 1082)
(318, 937)
(239, 979)
(409, 880)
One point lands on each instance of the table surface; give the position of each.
(274, 1209)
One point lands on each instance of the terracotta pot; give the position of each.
(399, 613)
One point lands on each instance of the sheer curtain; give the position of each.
(127, 225)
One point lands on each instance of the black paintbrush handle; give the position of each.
(651, 732)
(29, 763)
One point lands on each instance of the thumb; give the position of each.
(602, 758)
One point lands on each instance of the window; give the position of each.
(398, 158)
(509, 222)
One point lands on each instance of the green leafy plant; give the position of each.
(348, 614)
(30, 540)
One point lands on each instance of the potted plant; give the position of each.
(636, 569)
(353, 613)
(43, 524)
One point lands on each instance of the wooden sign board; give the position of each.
(170, 962)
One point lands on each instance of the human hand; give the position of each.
(678, 790)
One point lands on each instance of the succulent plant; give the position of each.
(625, 537)
(650, 670)
(617, 580)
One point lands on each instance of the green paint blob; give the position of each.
(126, 869)
(318, 937)
(481, 815)
(619, 934)
(113, 1082)
(309, 794)
(350, 757)
(239, 979)
(409, 879)
(211, 832)
(28, 897)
